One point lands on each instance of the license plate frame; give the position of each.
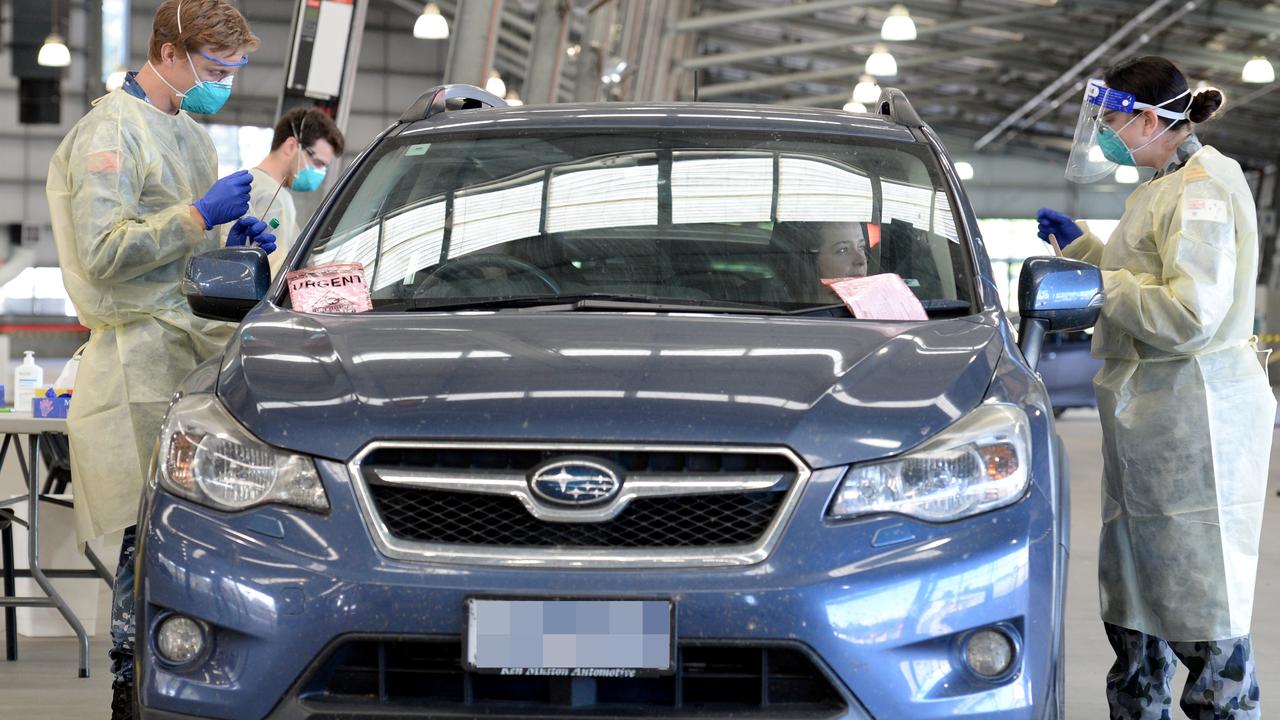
(637, 650)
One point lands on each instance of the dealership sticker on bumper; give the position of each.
(570, 638)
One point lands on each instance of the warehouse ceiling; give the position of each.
(1004, 75)
(976, 64)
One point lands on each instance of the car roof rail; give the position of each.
(443, 98)
(893, 103)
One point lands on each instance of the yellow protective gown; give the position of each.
(1187, 412)
(120, 189)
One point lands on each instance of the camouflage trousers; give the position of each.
(1222, 684)
(122, 619)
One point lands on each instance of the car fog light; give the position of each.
(180, 639)
(989, 653)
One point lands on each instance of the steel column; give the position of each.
(474, 37)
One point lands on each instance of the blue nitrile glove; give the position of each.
(227, 200)
(250, 230)
(1062, 227)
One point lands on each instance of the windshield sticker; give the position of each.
(878, 297)
(416, 150)
(338, 288)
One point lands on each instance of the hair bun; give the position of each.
(1205, 104)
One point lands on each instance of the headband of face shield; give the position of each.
(1097, 149)
(205, 96)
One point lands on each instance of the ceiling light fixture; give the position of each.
(866, 91)
(853, 106)
(431, 25)
(881, 63)
(964, 170)
(54, 52)
(495, 84)
(898, 27)
(1258, 71)
(614, 74)
(1127, 175)
(513, 99)
(1096, 155)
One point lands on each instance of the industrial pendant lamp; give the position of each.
(431, 25)
(495, 84)
(866, 91)
(964, 170)
(1258, 71)
(898, 27)
(1127, 175)
(881, 63)
(853, 106)
(54, 52)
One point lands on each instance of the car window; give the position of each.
(673, 215)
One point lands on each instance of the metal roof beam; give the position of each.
(812, 46)
(851, 71)
(1085, 62)
(706, 22)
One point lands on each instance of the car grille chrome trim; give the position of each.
(651, 485)
(637, 486)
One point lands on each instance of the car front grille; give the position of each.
(465, 518)
(473, 504)
(420, 678)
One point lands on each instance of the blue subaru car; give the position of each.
(617, 410)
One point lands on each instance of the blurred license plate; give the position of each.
(570, 638)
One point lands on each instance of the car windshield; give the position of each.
(675, 217)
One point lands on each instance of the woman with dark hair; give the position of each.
(813, 251)
(1187, 412)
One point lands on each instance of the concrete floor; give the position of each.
(43, 683)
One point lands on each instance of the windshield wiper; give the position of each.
(935, 308)
(588, 302)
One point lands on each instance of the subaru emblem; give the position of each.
(575, 482)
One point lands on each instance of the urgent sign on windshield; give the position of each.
(335, 288)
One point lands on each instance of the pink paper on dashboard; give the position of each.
(878, 297)
(334, 288)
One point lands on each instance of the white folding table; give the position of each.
(13, 427)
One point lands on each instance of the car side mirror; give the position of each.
(226, 283)
(1055, 295)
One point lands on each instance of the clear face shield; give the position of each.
(1097, 149)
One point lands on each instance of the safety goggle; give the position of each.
(244, 60)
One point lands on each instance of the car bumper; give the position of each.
(880, 606)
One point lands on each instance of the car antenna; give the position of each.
(696, 74)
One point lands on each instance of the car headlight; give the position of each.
(980, 463)
(208, 457)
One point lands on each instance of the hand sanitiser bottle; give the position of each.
(27, 380)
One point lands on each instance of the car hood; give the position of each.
(834, 391)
